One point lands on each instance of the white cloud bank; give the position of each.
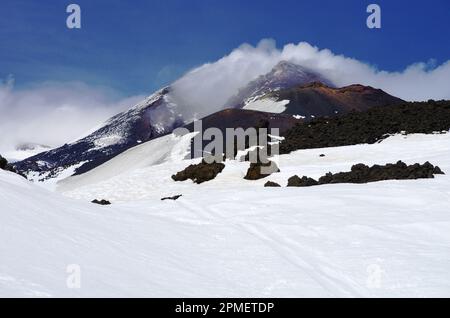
(210, 85)
(53, 114)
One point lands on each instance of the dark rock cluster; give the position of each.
(369, 126)
(101, 202)
(200, 173)
(362, 173)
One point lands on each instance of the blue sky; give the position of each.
(138, 46)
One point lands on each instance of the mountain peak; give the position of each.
(284, 67)
(283, 75)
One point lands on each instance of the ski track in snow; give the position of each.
(231, 237)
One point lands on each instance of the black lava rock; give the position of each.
(295, 181)
(174, 198)
(254, 172)
(101, 202)
(369, 126)
(200, 173)
(362, 173)
(270, 184)
(4, 165)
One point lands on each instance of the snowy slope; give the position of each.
(231, 237)
(169, 148)
(153, 117)
(124, 186)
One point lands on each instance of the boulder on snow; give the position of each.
(270, 184)
(101, 202)
(255, 171)
(296, 181)
(200, 173)
(174, 198)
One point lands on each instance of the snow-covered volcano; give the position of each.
(156, 116)
(275, 92)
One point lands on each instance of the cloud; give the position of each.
(205, 89)
(54, 113)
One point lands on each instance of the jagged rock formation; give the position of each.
(361, 173)
(199, 173)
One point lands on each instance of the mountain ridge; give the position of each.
(318, 99)
(159, 114)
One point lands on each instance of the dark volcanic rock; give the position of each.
(361, 173)
(174, 198)
(101, 202)
(370, 126)
(295, 181)
(4, 165)
(200, 173)
(254, 172)
(270, 184)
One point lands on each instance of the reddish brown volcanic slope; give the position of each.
(243, 118)
(321, 100)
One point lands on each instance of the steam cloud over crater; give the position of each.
(207, 88)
